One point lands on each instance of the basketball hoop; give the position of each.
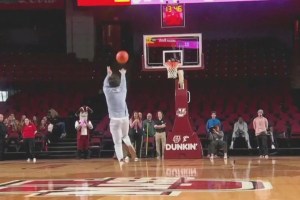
(172, 67)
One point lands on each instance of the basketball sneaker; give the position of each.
(28, 160)
(34, 160)
(126, 159)
(225, 155)
(121, 163)
(132, 152)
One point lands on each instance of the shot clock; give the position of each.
(172, 15)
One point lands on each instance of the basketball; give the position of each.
(122, 57)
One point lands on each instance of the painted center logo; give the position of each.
(167, 186)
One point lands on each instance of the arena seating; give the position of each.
(38, 102)
(240, 76)
(228, 102)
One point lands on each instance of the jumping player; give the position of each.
(115, 90)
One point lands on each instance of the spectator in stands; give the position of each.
(217, 142)
(28, 132)
(43, 132)
(58, 124)
(22, 121)
(49, 127)
(13, 130)
(214, 121)
(3, 135)
(35, 121)
(240, 130)
(141, 116)
(5, 122)
(149, 131)
(136, 132)
(160, 135)
(260, 125)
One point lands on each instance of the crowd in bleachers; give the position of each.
(44, 126)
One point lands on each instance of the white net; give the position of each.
(172, 68)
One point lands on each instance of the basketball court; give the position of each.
(184, 174)
(239, 178)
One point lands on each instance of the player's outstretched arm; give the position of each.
(109, 73)
(123, 78)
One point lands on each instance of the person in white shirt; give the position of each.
(240, 130)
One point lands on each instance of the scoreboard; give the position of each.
(143, 2)
(172, 15)
(103, 2)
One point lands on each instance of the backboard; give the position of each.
(187, 48)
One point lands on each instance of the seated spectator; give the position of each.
(240, 130)
(57, 124)
(35, 121)
(13, 130)
(44, 134)
(216, 137)
(22, 121)
(214, 121)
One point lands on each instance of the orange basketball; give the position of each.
(122, 57)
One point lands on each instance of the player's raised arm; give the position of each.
(123, 83)
(109, 73)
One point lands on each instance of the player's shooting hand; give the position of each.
(109, 72)
(122, 71)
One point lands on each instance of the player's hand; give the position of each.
(109, 72)
(122, 71)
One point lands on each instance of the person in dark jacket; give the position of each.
(3, 135)
(217, 142)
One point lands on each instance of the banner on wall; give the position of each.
(31, 4)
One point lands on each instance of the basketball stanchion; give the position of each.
(182, 141)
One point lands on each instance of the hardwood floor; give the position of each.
(244, 178)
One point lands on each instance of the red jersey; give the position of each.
(29, 131)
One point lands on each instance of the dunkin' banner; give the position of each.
(31, 4)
